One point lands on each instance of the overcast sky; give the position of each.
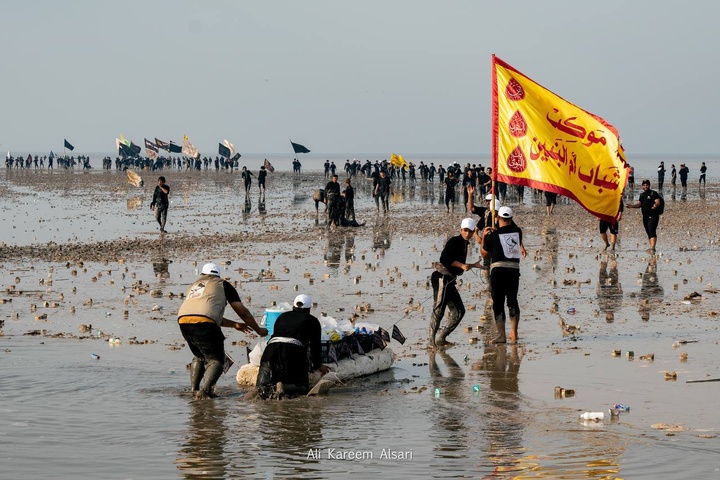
(409, 76)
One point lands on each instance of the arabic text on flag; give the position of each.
(542, 141)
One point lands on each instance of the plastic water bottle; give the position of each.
(476, 388)
(621, 408)
(596, 416)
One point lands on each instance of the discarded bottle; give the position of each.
(620, 407)
(437, 392)
(95, 356)
(596, 416)
(571, 310)
(476, 388)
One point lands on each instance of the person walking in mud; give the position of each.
(450, 183)
(611, 239)
(247, 178)
(452, 264)
(349, 194)
(382, 191)
(262, 174)
(200, 317)
(504, 246)
(703, 171)
(332, 197)
(160, 202)
(650, 204)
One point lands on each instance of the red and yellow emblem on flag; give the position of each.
(542, 141)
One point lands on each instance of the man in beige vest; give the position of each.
(200, 317)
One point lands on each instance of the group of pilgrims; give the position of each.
(38, 161)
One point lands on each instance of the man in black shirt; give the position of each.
(349, 201)
(649, 203)
(332, 195)
(284, 365)
(504, 246)
(160, 202)
(261, 179)
(452, 264)
(661, 175)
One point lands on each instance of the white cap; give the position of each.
(468, 223)
(302, 301)
(489, 197)
(505, 212)
(210, 269)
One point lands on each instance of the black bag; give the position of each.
(661, 207)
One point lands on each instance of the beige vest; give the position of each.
(205, 297)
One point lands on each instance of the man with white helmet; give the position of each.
(200, 317)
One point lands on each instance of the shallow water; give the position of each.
(128, 414)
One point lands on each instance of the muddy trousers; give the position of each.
(283, 363)
(504, 285)
(445, 295)
(161, 216)
(206, 342)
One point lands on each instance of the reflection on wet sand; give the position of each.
(504, 422)
(134, 202)
(381, 234)
(337, 240)
(650, 290)
(287, 431)
(261, 204)
(451, 435)
(609, 289)
(202, 454)
(161, 269)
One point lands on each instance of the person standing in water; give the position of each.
(504, 246)
(160, 202)
(200, 317)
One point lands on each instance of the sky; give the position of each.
(406, 76)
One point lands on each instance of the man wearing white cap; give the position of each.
(452, 264)
(504, 247)
(284, 365)
(200, 317)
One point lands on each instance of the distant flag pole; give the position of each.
(293, 145)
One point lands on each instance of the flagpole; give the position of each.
(294, 152)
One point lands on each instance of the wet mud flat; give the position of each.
(113, 290)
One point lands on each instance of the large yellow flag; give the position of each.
(543, 141)
(399, 161)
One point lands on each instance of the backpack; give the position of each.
(661, 208)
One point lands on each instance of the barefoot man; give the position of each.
(505, 247)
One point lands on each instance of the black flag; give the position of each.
(175, 148)
(235, 157)
(397, 335)
(164, 145)
(378, 340)
(135, 149)
(151, 146)
(383, 334)
(299, 148)
(223, 150)
(71, 148)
